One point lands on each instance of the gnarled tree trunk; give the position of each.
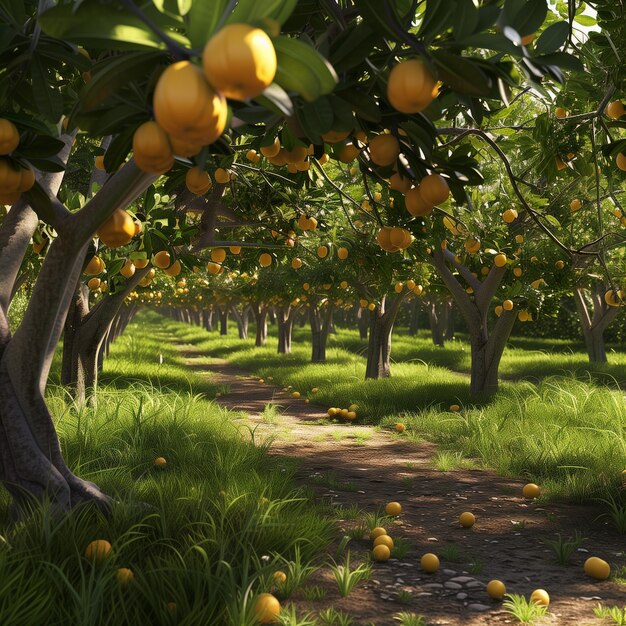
(260, 315)
(223, 313)
(242, 318)
(320, 325)
(284, 318)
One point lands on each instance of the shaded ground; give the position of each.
(348, 464)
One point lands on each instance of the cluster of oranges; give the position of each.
(14, 180)
(348, 414)
(189, 104)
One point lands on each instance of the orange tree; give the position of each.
(159, 80)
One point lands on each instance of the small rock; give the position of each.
(462, 579)
(432, 539)
(449, 572)
(424, 594)
(461, 596)
(473, 584)
(478, 607)
(582, 550)
(399, 581)
(451, 585)
(588, 598)
(433, 586)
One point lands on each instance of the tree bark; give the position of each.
(436, 321)
(414, 315)
(379, 345)
(285, 316)
(223, 313)
(260, 315)
(362, 322)
(320, 325)
(242, 318)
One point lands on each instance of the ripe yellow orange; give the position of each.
(597, 568)
(472, 245)
(507, 305)
(400, 427)
(218, 255)
(295, 394)
(10, 177)
(140, 263)
(393, 508)
(272, 150)
(160, 462)
(411, 86)
(128, 269)
(97, 551)
(185, 148)
(575, 204)
(296, 263)
(348, 153)
(429, 562)
(377, 532)
(384, 540)
(559, 264)
(267, 608)
(240, 61)
(265, 260)
(384, 150)
(399, 183)
(524, 316)
(531, 491)
(162, 259)
(221, 176)
(94, 267)
(99, 162)
(455, 408)
(198, 181)
(124, 575)
(519, 238)
(415, 203)
(540, 596)
(174, 269)
(342, 254)
(186, 106)
(498, 310)
(234, 249)
(434, 189)
(510, 215)
(615, 109)
(614, 297)
(118, 230)
(214, 268)
(94, 283)
(9, 136)
(335, 136)
(152, 150)
(322, 252)
(560, 113)
(620, 161)
(496, 589)
(467, 519)
(499, 260)
(381, 553)
(279, 577)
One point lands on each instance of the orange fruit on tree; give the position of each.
(540, 596)
(400, 183)
(213, 268)
(151, 149)
(384, 150)
(560, 112)
(335, 136)
(348, 153)
(174, 269)
(384, 240)
(118, 230)
(240, 61)
(97, 551)
(267, 608)
(140, 263)
(415, 203)
(575, 204)
(296, 263)
(218, 255)
(434, 189)
(265, 260)
(500, 260)
(99, 162)
(234, 249)
(342, 253)
(615, 109)
(272, 150)
(597, 568)
(613, 297)
(510, 215)
(10, 177)
(296, 155)
(221, 176)
(27, 179)
(162, 259)
(198, 181)
(507, 305)
(429, 562)
(322, 252)
(9, 136)
(124, 575)
(496, 589)
(185, 148)
(620, 161)
(128, 269)
(94, 283)
(411, 86)
(186, 106)
(94, 267)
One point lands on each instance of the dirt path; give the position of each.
(356, 465)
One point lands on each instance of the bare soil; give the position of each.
(372, 467)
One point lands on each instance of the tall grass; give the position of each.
(205, 533)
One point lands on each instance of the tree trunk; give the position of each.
(223, 313)
(79, 308)
(594, 342)
(284, 319)
(436, 322)
(379, 346)
(320, 324)
(363, 323)
(414, 313)
(207, 319)
(242, 318)
(260, 316)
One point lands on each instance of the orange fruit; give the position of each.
(384, 150)
(322, 252)
(174, 269)
(213, 268)
(496, 589)
(186, 106)
(9, 136)
(342, 254)
(620, 161)
(218, 255)
(597, 568)
(411, 86)
(128, 269)
(124, 575)
(531, 491)
(400, 427)
(140, 263)
(434, 189)
(575, 204)
(94, 267)
(118, 230)
(152, 150)
(185, 148)
(198, 181)
(415, 203)
(500, 260)
(510, 215)
(240, 61)
(221, 176)
(99, 162)
(279, 577)
(507, 305)
(467, 519)
(272, 150)
(267, 608)
(399, 183)
(97, 551)
(162, 259)
(615, 109)
(429, 562)
(393, 508)
(348, 153)
(335, 136)
(234, 249)
(265, 260)
(296, 263)
(560, 112)
(381, 553)
(384, 540)
(377, 532)
(540, 596)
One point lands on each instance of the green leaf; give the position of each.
(316, 119)
(303, 69)
(112, 74)
(118, 150)
(48, 99)
(465, 19)
(276, 99)
(202, 20)
(40, 203)
(585, 20)
(363, 104)
(552, 220)
(36, 145)
(184, 6)
(351, 46)
(525, 16)
(462, 74)
(561, 59)
(489, 41)
(250, 11)
(437, 17)
(552, 38)
(97, 25)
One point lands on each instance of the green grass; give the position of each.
(206, 532)
(567, 432)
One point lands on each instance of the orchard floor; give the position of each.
(359, 466)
